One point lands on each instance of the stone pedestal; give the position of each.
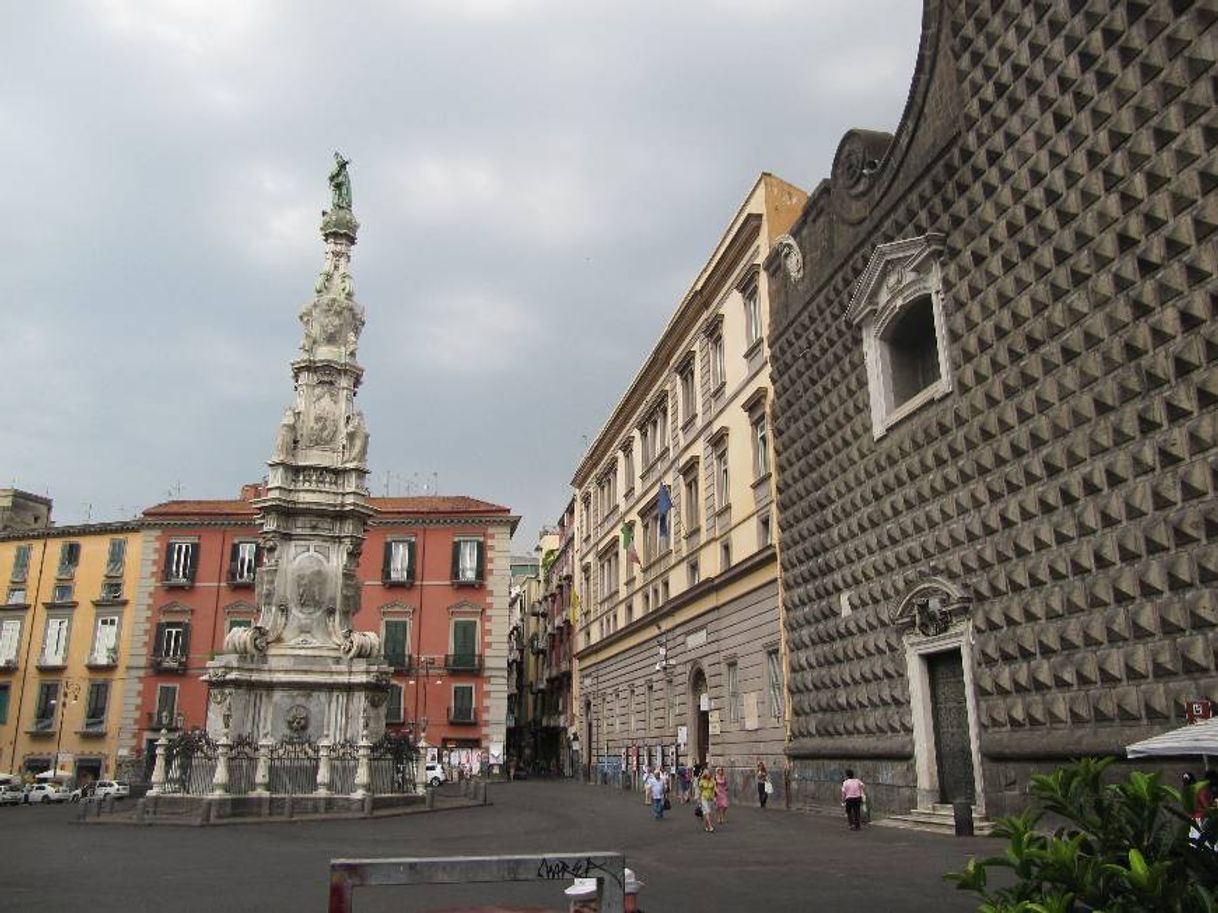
(295, 695)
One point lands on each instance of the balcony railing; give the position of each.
(102, 661)
(463, 662)
(163, 719)
(462, 716)
(42, 726)
(169, 663)
(399, 661)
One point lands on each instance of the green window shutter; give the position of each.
(159, 640)
(410, 561)
(463, 702)
(4, 690)
(456, 561)
(386, 562)
(186, 641)
(481, 561)
(168, 574)
(465, 638)
(395, 643)
(194, 561)
(234, 553)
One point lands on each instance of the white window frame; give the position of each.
(105, 648)
(899, 274)
(467, 573)
(57, 633)
(400, 570)
(761, 447)
(247, 560)
(181, 556)
(718, 361)
(10, 641)
(173, 634)
(723, 478)
(752, 315)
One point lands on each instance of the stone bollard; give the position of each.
(288, 811)
(363, 769)
(158, 768)
(430, 802)
(262, 773)
(323, 767)
(368, 806)
(139, 811)
(219, 781)
(204, 812)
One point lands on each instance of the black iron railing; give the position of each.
(463, 662)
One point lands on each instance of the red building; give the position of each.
(435, 576)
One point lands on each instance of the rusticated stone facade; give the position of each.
(1017, 562)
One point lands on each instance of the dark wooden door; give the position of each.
(953, 751)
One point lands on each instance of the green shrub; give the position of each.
(1124, 847)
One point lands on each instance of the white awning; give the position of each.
(1197, 739)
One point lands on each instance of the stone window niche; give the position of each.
(899, 306)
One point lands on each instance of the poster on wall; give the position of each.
(704, 701)
(657, 755)
(670, 756)
(496, 753)
(714, 725)
(682, 736)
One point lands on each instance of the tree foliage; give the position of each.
(1124, 847)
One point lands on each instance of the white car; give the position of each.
(48, 792)
(435, 775)
(116, 788)
(12, 794)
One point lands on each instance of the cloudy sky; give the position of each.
(537, 184)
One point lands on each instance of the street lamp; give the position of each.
(71, 693)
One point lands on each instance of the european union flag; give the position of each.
(663, 508)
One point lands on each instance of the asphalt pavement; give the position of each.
(761, 860)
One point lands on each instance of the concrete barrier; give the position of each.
(609, 870)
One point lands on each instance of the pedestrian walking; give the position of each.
(854, 794)
(706, 795)
(657, 788)
(763, 783)
(720, 796)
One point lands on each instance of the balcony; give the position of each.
(169, 663)
(42, 726)
(463, 662)
(94, 729)
(399, 661)
(107, 660)
(164, 719)
(462, 716)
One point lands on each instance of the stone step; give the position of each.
(938, 819)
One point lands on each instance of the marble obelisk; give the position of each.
(301, 671)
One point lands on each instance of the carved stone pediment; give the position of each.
(932, 605)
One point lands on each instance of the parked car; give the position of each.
(12, 794)
(116, 788)
(84, 793)
(435, 774)
(48, 792)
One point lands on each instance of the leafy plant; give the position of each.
(1124, 847)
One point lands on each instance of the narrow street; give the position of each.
(769, 860)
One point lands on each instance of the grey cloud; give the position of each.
(538, 183)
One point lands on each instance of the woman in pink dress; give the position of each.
(720, 795)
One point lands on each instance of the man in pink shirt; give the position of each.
(853, 794)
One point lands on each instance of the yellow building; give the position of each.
(66, 623)
(680, 642)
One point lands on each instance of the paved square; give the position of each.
(770, 860)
